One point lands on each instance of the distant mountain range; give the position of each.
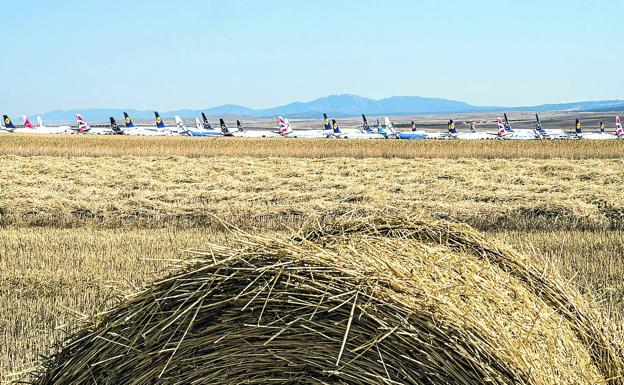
(345, 105)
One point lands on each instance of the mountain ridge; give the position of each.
(340, 106)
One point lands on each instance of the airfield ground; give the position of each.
(85, 220)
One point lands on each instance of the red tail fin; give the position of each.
(27, 122)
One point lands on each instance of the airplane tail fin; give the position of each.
(128, 120)
(8, 124)
(27, 122)
(326, 125)
(578, 127)
(451, 127)
(365, 126)
(335, 127)
(602, 127)
(207, 125)
(180, 127)
(380, 129)
(239, 126)
(413, 126)
(389, 125)
(159, 121)
(507, 125)
(82, 124)
(473, 127)
(198, 124)
(40, 122)
(538, 125)
(284, 126)
(501, 127)
(115, 127)
(618, 127)
(224, 129)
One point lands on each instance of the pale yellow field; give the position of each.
(83, 220)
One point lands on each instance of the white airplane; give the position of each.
(287, 131)
(366, 129)
(84, 128)
(353, 134)
(550, 133)
(414, 134)
(602, 135)
(507, 133)
(241, 132)
(41, 128)
(8, 125)
(472, 135)
(27, 129)
(133, 130)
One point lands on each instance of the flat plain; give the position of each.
(85, 220)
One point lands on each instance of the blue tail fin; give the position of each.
(159, 121)
(207, 125)
(578, 127)
(365, 126)
(239, 126)
(451, 127)
(507, 125)
(538, 125)
(7, 122)
(335, 127)
(115, 127)
(602, 127)
(327, 126)
(224, 129)
(129, 123)
(413, 126)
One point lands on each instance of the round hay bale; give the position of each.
(378, 300)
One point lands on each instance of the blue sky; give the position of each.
(194, 54)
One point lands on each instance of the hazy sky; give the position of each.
(193, 54)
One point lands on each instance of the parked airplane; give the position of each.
(549, 133)
(381, 130)
(166, 130)
(602, 135)
(472, 135)
(115, 129)
(242, 132)
(27, 129)
(414, 134)
(84, 128)
(8, 124)
(618, 127)
(133, 130)
(198, 131)
(353, 134)
(42, 128)
(380, 133)
(288, 132)
(506, 132)
(207, 125)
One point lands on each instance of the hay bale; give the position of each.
(377, 300)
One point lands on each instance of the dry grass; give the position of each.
(412, 300)
(97, 146)
(276, 193)
(74, 229)
(48, 277)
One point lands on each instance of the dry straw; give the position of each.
(377, 300)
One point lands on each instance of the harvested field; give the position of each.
(273, 193)
(370, 300)
(80, 233)
(97, 146)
